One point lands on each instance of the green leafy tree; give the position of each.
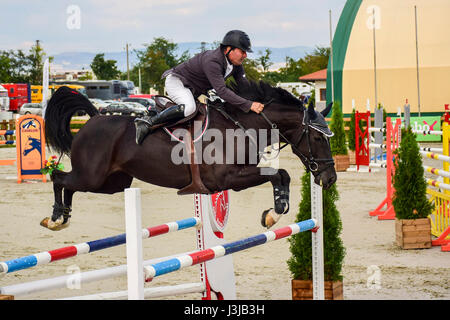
(410, 196)
(87, 76)
(315, 61)
(154, 59)
(300, 263)
(264, 60)
(338, 141)
(36, 59)
(20, 67)
(251, 69)
(292, 70)
(104, 69)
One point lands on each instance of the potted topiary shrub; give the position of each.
(300, 263)
(412, 208)
(338, 141)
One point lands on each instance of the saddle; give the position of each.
(201, 114)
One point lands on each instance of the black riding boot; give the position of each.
(144, 124)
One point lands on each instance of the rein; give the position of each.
(311, 161)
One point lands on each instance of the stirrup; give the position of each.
(142, 130)
(145, 119)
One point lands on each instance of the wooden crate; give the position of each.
(413, 233)
(303, 290)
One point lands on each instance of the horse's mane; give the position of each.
(263, 92)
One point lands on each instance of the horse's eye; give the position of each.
(318, 138)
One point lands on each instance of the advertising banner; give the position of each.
(30, 145)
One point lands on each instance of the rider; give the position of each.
(205, 71)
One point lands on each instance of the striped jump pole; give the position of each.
(435, 156)
(197, 257)
(437, 171)
(429, 132)
(91, 246)
(430, 149)
(438, 184)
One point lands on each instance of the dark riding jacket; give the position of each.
(206, 71)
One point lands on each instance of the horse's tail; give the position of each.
(64, 103)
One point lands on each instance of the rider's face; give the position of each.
(236, 56)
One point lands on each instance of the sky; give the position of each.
(108, 25)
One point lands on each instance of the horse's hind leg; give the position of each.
(60, 216)
(280, 183)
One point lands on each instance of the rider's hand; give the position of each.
(257, 107)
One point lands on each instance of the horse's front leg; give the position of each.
(251, 176)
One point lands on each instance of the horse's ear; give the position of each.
(311, 111)
(326, 111)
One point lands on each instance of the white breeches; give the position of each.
(180, 94)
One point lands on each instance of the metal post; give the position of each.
(331, 59)
(317, 242)
(133, 223)
(417, 62)
(375, 60)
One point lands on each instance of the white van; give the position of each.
(4, 99)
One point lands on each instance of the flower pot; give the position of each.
(303, 290)
(341, 162)
(413, 233)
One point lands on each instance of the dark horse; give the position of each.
(105, 157)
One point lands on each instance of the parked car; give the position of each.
(31, 108)
(148, 103)
(124, 108)
(98, 103)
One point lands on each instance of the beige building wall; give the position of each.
(396, 70)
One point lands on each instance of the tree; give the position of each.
(36, 63)
(154, 59)
(300, 263)
(315, 61)
(87, 76)
(104, 69)
(292, 70)
(19, 67)
(410, 197)
(337, 142)
(264, 60)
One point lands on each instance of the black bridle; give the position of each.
(310, 161)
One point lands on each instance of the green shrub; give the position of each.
(351, 135)
(338, 141)
(300, 263)
(410, 196)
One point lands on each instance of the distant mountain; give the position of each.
(82, 60)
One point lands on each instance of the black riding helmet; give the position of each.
(238, 39)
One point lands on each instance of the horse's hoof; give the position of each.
(54, 225)
(269, 217)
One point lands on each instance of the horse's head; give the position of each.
(304, 129)
(311, 144)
